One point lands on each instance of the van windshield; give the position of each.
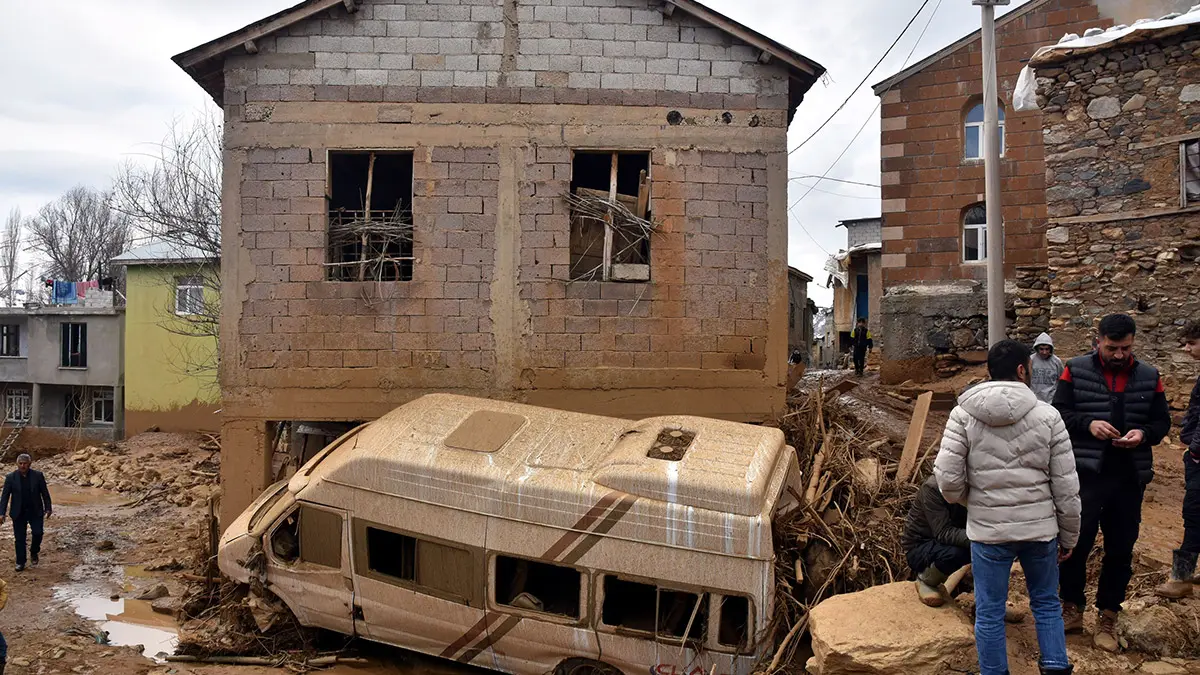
(268, 499)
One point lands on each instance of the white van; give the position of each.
(531, 540)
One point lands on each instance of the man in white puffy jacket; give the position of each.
(1007, 456)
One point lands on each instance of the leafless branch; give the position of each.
(78, 234)
(10, 249)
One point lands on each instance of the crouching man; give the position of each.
(1007, 456)
(935, 541)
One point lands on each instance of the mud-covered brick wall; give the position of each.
(1120, 240)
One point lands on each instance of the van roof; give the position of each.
(684, 481)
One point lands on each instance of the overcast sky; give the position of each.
(88, 83)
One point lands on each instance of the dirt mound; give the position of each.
(181, 469)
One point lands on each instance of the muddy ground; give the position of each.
(105, 547)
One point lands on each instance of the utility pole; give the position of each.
(991, 167)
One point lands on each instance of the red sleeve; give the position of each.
(1066, 376)
(1160, 389)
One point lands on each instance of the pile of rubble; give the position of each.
(181, 474)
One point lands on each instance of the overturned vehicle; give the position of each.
(531, 540)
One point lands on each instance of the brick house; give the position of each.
(934, 242)
(1122, 138)
(458, 129)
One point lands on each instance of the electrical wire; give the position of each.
(865, 77)
(835, 180)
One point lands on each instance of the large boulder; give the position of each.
(886, 630)
(1162, 628)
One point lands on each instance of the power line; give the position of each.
(865, 77)
(835, 180)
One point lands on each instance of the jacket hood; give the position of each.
(998, 404)
(1043, 339)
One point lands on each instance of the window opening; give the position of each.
(285, 543)
(427, 564)
(1190, 178)
(102, 406)
(734, 628)
(10, 340)
(74, 345)
(17, 406)
(671, 444)
(537, 586)
(974, 133)
(370, 216)
(610, 210)
(189, 296)
(646, 608)
(975, 233)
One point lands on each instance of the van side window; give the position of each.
(426, 564)
(320, 537)
(735, 621)
(537, 586)
(664, 612)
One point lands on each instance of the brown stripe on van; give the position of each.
(470, 636)
(577, 530)
(603, 528)
(493, 637)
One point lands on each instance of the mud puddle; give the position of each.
(74, 495)
(126, 622)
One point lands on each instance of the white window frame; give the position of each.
(20, 402)
(1189, 150)
(981, 228)
(978, 126)
(189, 296)
(99, 397)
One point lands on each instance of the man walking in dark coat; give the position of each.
(862, 342)
(1115, 409)
(30, 505)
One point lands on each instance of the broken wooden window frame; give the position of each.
(592, 206)
(1189, 173)
(369, 244)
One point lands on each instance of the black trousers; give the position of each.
(1112, 504)
(860, 360)
(34, 524)
(1191, 504)
(942, 556)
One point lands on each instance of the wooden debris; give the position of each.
(916, 429)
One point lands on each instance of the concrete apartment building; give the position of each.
(934, 243)
(61, 372)
(477, 120)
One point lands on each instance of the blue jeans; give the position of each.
(991, 565)
(3, 650)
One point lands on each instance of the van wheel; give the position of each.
(585, 667)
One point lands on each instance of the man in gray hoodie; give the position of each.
(1047, 368)
(1007, 456)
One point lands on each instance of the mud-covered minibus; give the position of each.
(530, 540)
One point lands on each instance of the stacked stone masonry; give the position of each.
(1120, 239)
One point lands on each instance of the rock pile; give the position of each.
(111, 467)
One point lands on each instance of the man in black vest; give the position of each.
(1115, 409)
(30, 505)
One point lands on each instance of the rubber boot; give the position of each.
(1179, 586)
(930, 588)
(1057, 671)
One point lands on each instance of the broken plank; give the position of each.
(643, 197)
(841, 388)
(916, 428)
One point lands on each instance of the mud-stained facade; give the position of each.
(493, 109)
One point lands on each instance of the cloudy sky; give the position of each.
(90, 83)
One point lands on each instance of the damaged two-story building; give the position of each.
(579, 206)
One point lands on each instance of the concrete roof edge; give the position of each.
(882, 87)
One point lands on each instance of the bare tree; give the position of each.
(10, 250)
(175, 202)
(78, 234)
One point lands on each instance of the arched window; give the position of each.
(975, 233)
(973, 145)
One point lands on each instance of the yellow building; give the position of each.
(171, 312)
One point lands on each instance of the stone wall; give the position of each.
(932, 331)
(1120, 240)
(1031, 304)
